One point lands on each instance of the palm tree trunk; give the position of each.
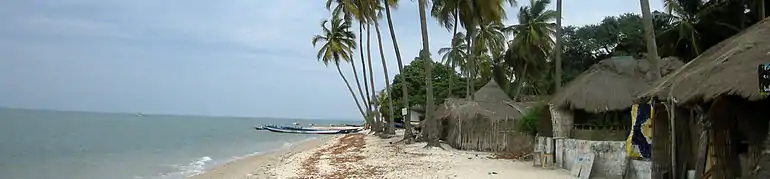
(408, 136)
(368, 100)
(429, 106)
(391, 127)
(470, 65)
(451, 43)
(360, 91)
(520, 83)
(558, 49)
(377, 119)
(358, 103)
(649, 36)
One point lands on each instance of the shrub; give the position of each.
(529, 122)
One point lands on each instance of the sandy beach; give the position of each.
(366, 156)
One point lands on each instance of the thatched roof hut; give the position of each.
(728, 68)
(485, 124)
(721, 85)
(612, 84)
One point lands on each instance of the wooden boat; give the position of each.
(298, 130)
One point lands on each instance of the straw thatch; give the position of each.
(612, 84)
(728, 68)
(491, 92)
(485, 124)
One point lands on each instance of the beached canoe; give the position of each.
(297, 130)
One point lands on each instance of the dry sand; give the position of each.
(366, 156)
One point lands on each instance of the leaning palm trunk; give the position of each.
(391, 127)
(408, 136)
(471, 56)
(377, 119)
(558, 49)
(454, 33)
(350, 89)
(367, 99)
(520, 83)
(470, 67)
(649, 36)
(431, 122)
(360, 92)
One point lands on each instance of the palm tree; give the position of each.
(430, 123)
(481, 12)
(367, 10)
(348, 10)
(338, 44)
(649, 37)
(557, 46)
(408, 136)
(532, 40)
(391, 127)
(469, 13)
(454, 56)
(491, 39)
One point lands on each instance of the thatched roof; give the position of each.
(490, 101)
(611, 84)
(465, 109)
(728, 68)
(491, 92)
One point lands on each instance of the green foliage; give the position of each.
(529, 122)
(414, 76)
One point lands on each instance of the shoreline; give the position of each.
(257, 166)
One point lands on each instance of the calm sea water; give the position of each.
(38, 144)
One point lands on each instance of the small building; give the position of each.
(415, 114)
(592, 114)
(721, 86)
(485, 124)
(596, 104)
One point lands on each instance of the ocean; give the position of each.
(37, 144)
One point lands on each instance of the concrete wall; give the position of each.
(610, 156)
(639, 170)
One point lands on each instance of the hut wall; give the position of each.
(610, 156)
(562, 121)
(483, 134)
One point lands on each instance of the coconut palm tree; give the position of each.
(558, 48)
(469, 13)
(491, 39)
(454, 56)
(338, 44)
(532, 40)
(368, 15)
(349, 10)
(377, 15)
(408, 135)
(430, 123)
(649, 37)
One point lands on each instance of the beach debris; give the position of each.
(492, 173)
(521, 155)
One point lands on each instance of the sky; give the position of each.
(250, 58)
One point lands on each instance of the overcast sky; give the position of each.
(199, 57)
